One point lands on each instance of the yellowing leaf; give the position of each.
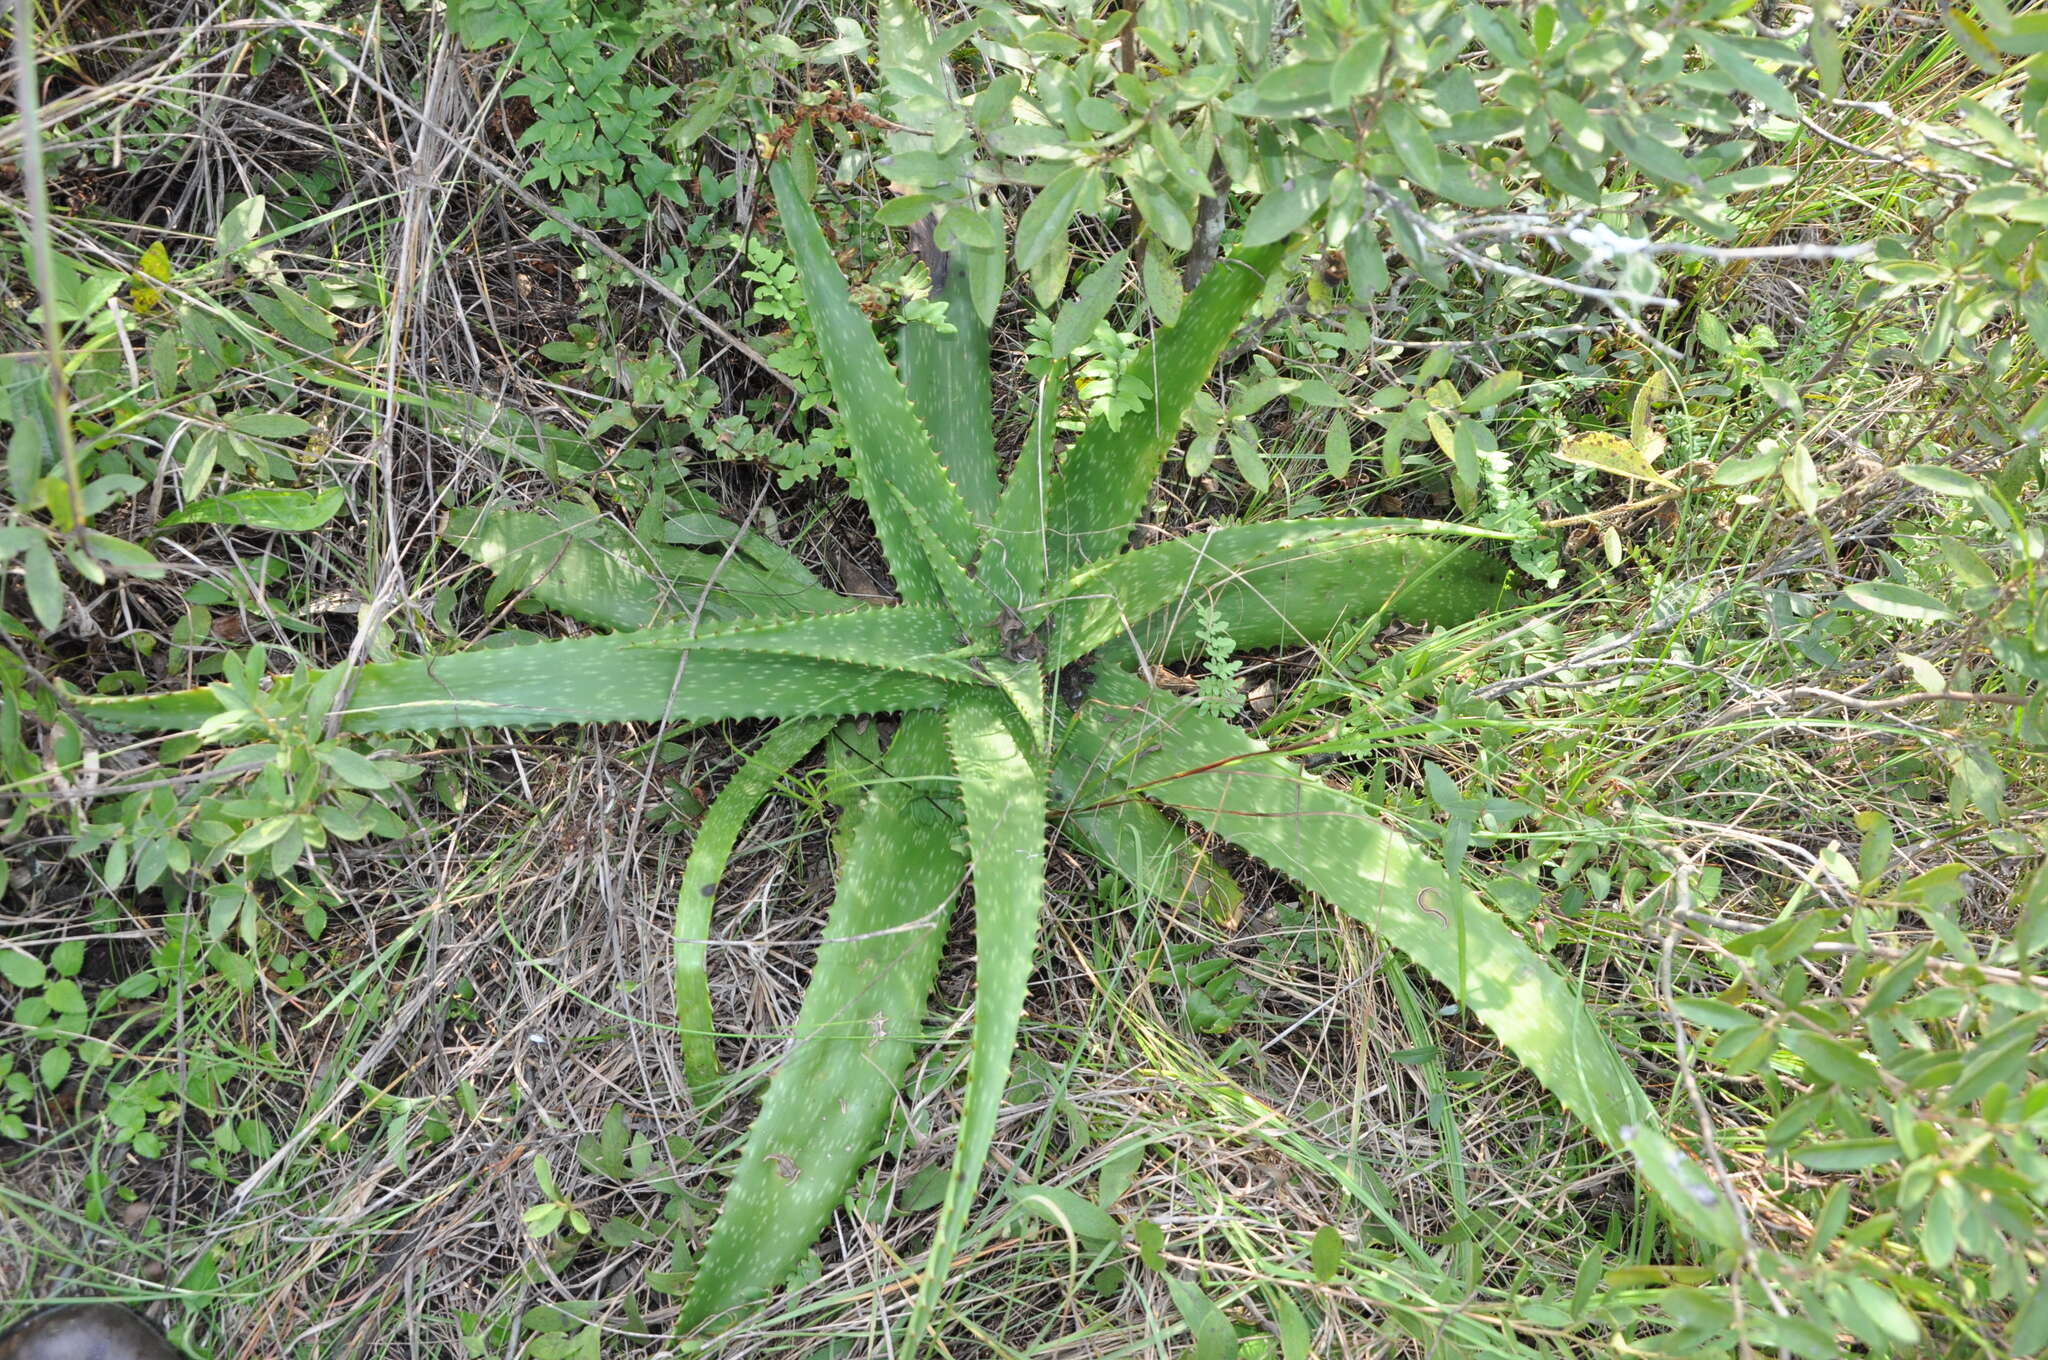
(1610, 453)
(153, 268)
(1647, 396)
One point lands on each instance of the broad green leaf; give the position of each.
(1301, 89)
(1043, 225)
(1747, 76)
(269, 424)
(1091, 302)
(853, 1037)
(716, 836)
(1897, 602)
(1412, 144)
(290, 511)
(592, 568)
(1086, 510)
(1283, 211)
(1003, 789)
(1105, 600)
(891, 447)
(1848, 1154)
(645, 677)
(1072, 1213)
(1209, 1326)
(1333, 845)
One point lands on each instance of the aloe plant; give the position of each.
(1014, 605)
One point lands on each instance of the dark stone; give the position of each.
(85, 1331)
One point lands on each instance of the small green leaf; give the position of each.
(1848, 1154)
(290, 511)
(54, 1066)
(45, 588)
(1073, 1214)
(268, 424)
(1089, 305)
(1214, 1337)
(1897, 602)
(1833, 1060)
(21, 969)
(1151, 1242)
(1326, 1254)
(1043, 224)
(1284, 210)
(1747, 76)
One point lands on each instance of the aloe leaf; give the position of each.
(972, 604)
(1102, 601)
(716, 836)
(1095, 498)
(1221, 778)
(582, 564)
(1136, 841)
(910, 637)
(1302, 597)
(890, 445)
(948, 380)
(1003, 788)
(625, 678)
(853, 1036)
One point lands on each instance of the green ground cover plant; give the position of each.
(1226, 679)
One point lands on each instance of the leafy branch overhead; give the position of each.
(988, 610)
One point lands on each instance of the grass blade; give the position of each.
(1103, 601)
(1221, 778)
(891, 447)
(853, 1036)
(1003, 788)
(1102, 483)
(716, 835)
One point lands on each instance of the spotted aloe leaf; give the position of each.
(920, 638)
(853, 1036)
(862, 661)
(946, 371)
(1301, 597)
(1141, 845)
(1223, 779)
(716, 836)
(891, 447)
(1002, 786)
(1045, 530)
(583, 564)
(1101, 602)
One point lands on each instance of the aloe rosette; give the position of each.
(1008, 587)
